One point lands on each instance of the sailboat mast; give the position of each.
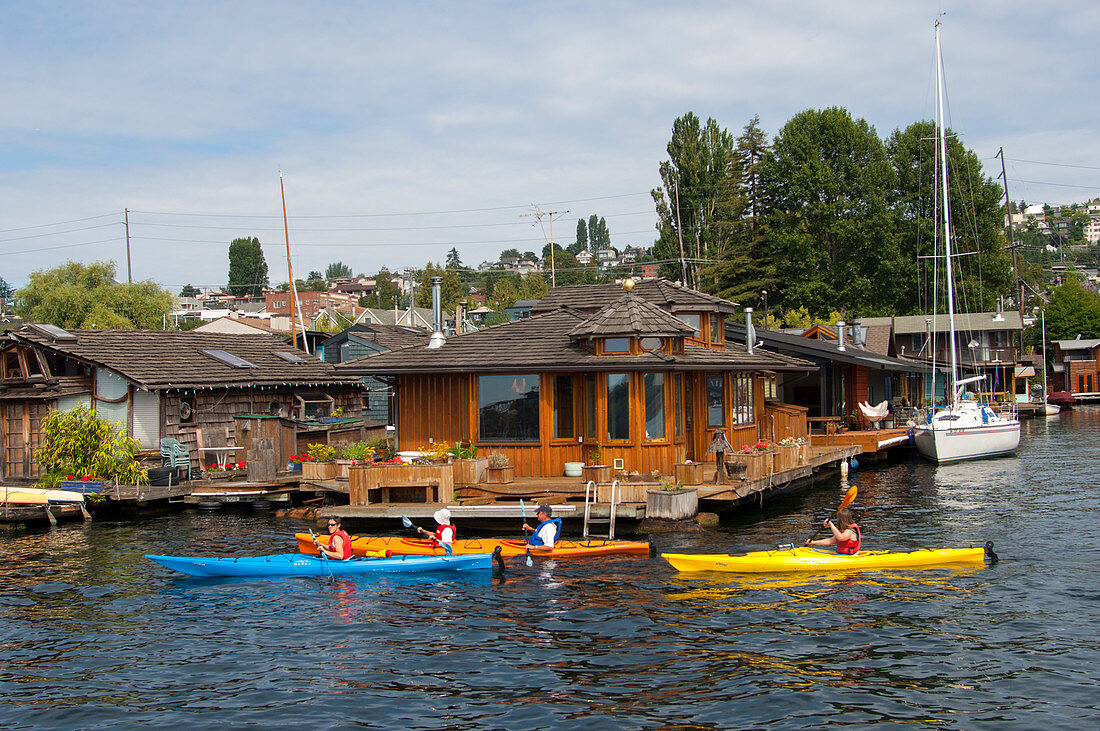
(946, 208)
(289, 273)
(1045, 393)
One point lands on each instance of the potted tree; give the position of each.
(82, 453)
(594, 468)
(500, 471)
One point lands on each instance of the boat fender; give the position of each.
(855, 463)
(989, 552)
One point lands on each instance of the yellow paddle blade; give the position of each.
(848, 498)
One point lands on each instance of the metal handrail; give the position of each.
(591, 495)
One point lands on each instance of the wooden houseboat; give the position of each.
(637, 380)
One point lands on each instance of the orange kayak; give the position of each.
(364, 545)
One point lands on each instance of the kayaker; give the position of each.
(847, 536)
(339, 542)
(546, 532)
(445, 532)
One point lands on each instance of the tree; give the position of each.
(830, 229)
(1072, 311)
(453, 261)
(337, 270)
(247, 267)
(510, 254)
(581, 244)
(451, 289)
(189, 291)
(76, 295)
(315, 282)
(386, 293)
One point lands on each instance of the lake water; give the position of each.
(92, 635)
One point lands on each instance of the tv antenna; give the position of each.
(538, 213)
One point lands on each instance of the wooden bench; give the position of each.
(386, 493)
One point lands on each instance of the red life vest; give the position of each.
(850, 548)
(346, 553)
(439, 532)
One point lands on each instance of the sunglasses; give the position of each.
(332, 525)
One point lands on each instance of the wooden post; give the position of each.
(720, 468)
(262, 460)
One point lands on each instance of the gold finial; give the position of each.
(628, 284)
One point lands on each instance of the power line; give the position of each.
(59, 223)
(1055, 164)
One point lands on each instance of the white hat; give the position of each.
(442, 516)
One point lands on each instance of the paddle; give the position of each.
(523, 510)
(324, 557)
(447, 547)
(848, 498)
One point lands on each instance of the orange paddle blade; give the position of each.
(848, 498)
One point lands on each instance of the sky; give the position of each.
(406, 129)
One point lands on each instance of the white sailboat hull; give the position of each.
(966, 438)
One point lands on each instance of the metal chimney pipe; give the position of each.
(437, 338)
(840, 335)
(750, 334)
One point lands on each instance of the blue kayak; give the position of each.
(297, 564)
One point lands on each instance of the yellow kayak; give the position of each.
(22, 497)
(804, 558)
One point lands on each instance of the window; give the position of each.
(715, 328)
(678, 404)
(741, 400)
(563, 407)
(590, 407)
(716, 400)
(616, 345)
(508, 408)
(654, 384)
(652, 344)
(692, 320)
(618, 406)
(228, 358)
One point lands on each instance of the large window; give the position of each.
(508, 408)
(590, 407)
(616, 345)
(563, 407)
(693, 320)
(741, 400)
(618, 406)
(716, 400)
(654, 405)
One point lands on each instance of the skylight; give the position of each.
(53, 331)
(229, 359)
(291, 356)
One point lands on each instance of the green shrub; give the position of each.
(79, 443)
(358, 451)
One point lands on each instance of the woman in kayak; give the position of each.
(847, 536)
(445, 532)
(339, 542)
(546, 532)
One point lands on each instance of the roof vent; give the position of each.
(840, 336)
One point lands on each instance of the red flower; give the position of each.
(69, 477)
(240, 465)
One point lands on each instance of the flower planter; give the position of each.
(318, 470)
(500, 475)
(758, 465)
(470, 471)
(87, 487)
(598, 472)
(688, 473)
(786, 457)
(294, 466)
(671, 504)
(342, 466)
(371, 484)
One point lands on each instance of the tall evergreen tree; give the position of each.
(453, 260)
(581, 244)
(386, 294)
(247, 267)
(337, 270)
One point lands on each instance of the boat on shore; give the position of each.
(295, 564)
(509, 547)
(804, 558)
(1062, 399)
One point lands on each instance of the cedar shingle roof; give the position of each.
(631, 315)
(157, 359)
(660, 292)
(542, 343)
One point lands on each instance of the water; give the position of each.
(92, 635)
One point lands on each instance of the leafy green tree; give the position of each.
(247, 267)
(315, 282)
(510, 253)
(76, 295)
(532, 256)
(1072, 311)
(386, 293)
(598, 235)
(830, 228)
(78, 443)
(189, 291)
(337, 270)
(453, 260)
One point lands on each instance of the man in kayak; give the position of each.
(847, 536)
(339, 542)
(546, 532)
(445, 532)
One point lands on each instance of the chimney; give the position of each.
(840, 336)
(437, 338)
(460, 317)
(750, 333)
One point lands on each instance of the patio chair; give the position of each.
(175, 455)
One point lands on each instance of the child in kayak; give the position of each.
(847, 536)
(546, 532)
(445, 532)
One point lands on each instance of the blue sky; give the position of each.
(406, 129)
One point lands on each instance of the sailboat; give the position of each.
(964, 428)
(1049, 409)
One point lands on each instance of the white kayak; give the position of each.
(55, 496)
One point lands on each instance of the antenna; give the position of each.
(538, 214)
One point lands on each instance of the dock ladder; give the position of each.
(591, 495)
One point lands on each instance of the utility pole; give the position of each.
(129, 271)
(538, 214)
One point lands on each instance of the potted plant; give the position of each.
(688, 472)
(500, 470)
(469, 469)
(78, 443)
(335, 417)
(672, 502)
(757, 458)
(351, 455)
(294, 464)
(321, 464)
(594, 469)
